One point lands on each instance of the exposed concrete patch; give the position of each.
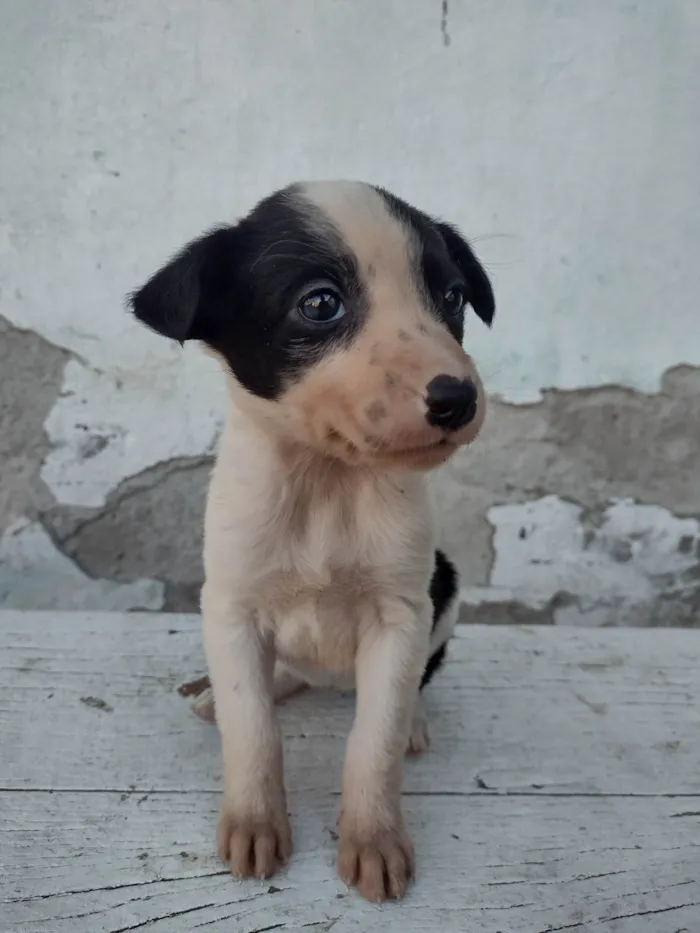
(591, 447)
(151, 525)
(31, 371)
(183, 597)
(106, 427)
(491, 605)
(628, 564)
(34, 575)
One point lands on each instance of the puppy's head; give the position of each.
(338, 310)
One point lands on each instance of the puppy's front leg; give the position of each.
(254, 835)
(374, 851)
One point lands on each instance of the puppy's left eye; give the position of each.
(453, 300)
(321, 306)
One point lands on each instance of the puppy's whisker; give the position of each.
(493, 264)
(485, 237)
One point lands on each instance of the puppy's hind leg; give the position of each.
(284, 685)
(419, 740)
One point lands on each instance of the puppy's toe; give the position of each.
(254, 848)
(380, 864)
(419, 740)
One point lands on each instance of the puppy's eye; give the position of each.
(321, 306)
(453, 300)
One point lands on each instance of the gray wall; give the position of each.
(563, 137)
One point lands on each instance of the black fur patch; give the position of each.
(443, 592)
(435, 662)
(443, 585)
(236, 289)
(445, 258)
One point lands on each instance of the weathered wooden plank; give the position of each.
(546, 804)
(89, 702)
(88, 862)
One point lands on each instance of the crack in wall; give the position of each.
(151, 525)
(444, 26)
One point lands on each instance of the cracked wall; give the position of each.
(580, 503)
(559, 498)
(35, 573)
(580, 509)
(31, 371)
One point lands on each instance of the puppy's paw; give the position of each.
(202, 695)
(419, 740)
(253, 848)
(203, 705)
(380, 862)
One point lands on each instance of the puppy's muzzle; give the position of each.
(451, 402)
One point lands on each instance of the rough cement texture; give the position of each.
(31, 371)
(589, 447)
(151, 525)
(34, 575)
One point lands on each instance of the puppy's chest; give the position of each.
(317, 631)
(330, 552)
(324, 580)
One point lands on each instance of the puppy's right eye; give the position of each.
(321, 306)
(453, 300)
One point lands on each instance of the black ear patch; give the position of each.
(174, 302)
(481, 294)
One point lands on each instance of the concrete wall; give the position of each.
(562, 135)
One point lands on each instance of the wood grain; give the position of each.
(562, 792)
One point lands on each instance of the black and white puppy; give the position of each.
(337, 312)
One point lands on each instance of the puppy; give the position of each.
(337, 312)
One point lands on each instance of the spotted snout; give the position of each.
(423, 419)
(392, 401)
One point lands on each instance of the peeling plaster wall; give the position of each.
(34, 575)
(563, 138)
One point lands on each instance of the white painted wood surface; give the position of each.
(562, 792)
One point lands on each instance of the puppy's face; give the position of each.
(338, 310)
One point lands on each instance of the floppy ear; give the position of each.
(481, 294)
(177, 301)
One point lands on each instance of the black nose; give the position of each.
(451, 402)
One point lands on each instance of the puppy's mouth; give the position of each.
(375, 450)
(433, 452)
